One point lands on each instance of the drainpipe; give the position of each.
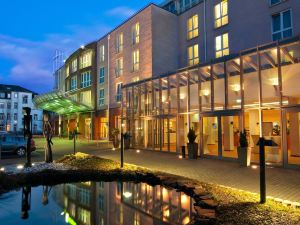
(205, 31)
(108, 87)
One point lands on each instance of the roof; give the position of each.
(14, 88)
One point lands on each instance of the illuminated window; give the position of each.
(67, 70)
(221, 14)
(119, 92)
(85, 79)
(193, 55)
(74, 66)
(119, 67)
(86, 60)
(119, 43)
(136, 33)
(102, 53)
(193, 27)
(102, 75)
(135, 60)
(101, 97)
(222, 45)
(84, 216)
(73, 83)
(282, 25)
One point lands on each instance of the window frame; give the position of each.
(136, 60)
(102, 53)
(136, 33)
(222, 49)
(119, 67)
(120, 42)
(101, 98)
(86, 59)
(119, 92)
(282, 30)
(193, 28)
(102, 75)
(194, 60)
(216, 19)
(85, 79)
(73, 83)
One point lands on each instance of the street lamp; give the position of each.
(122, 145)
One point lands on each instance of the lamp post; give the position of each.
(122, 145)
(28, 134)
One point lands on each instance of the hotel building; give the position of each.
(218, 66)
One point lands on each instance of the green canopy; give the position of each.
(59, 103)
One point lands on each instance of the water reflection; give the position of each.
(101, 203)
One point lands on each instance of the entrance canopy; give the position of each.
(60, 103)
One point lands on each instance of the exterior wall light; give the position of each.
(205, 92)
(82, 46)
(127, 194)
(236, 87)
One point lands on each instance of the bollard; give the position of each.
(262, 162)
(183, 151)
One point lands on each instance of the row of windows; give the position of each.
(118, 94)
(85, 81)
(2, 105)
(85, 61)
(8, 116)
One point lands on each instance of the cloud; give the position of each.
(32, 60)
(121, 11)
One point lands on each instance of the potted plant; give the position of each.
(192, 146)
(115, 136)
(244, 152)
(126, 137)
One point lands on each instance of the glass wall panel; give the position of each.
(230, 136)
(269, 78)
(219, 86)
(251, 81)
(183, 93)
(194, 92)
(293, 137)
(173, 94)
(205, 91)
(290, 74)
(210, 136)
(234, 85)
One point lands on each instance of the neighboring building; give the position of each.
(218, 66)
(12, 100)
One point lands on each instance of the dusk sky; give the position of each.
(31, 31)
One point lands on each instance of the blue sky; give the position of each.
(31, 31)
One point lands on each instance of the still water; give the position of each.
(99, 203)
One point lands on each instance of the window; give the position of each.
(35, 117)
(102, 53)
(16, 95)
(67, 71)
(2, 95)
(101, 97)
(85, 79)
(73, 83)
(119, 43)
(86, 60)
(34, 128)
(119, 92)
(275, 2)
(119, 67)
(192, 27)
(1, 116)
(282, 25)
(1, 105)
(25, 99)
(221, 14)
(135, 60)
(222, 45)
(15, 105)
(102, 75)
(193, 55)
(8, 116)
(8, 95)
(74, 65)
(8, 105)
(15, 116)
(136, 33)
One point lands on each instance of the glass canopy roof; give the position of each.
(59, 103)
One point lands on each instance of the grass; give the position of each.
(234, 207)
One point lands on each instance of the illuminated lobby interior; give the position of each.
(256, 90)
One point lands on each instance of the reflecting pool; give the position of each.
(99, 203)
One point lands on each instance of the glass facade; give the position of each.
(253, 91)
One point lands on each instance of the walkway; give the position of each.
(281, 183)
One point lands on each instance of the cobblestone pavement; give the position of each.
(281, 183)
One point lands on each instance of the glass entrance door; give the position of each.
(220, 135)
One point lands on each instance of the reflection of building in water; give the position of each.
(140, 204)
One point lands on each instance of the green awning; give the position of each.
(60, 103)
